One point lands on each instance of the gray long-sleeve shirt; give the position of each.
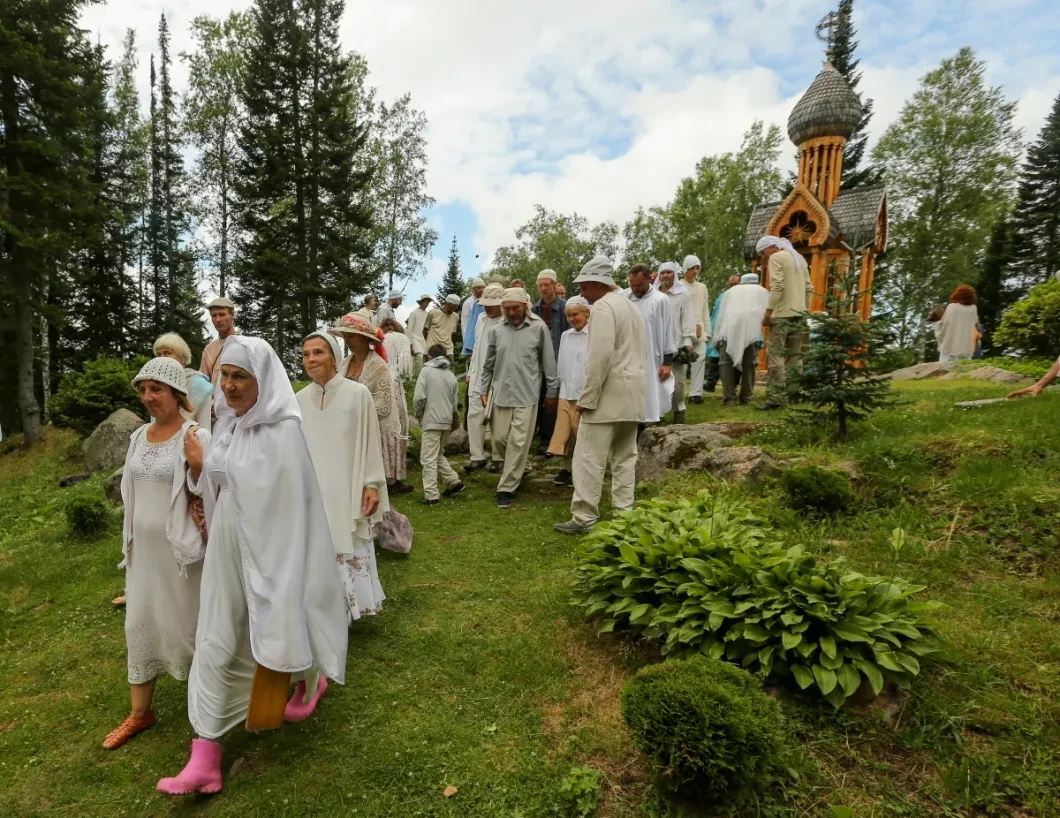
(516, 360)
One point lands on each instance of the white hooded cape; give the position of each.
(294, 596)
(659, 342)
(740, 320)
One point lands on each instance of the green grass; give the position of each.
(480, 676)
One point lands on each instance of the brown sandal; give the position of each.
(127, 729)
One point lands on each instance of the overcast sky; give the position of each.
(600, 106)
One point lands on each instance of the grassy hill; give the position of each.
(479, 675)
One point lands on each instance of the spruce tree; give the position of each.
(1037, 217)
(842, 58)
(839, 364)
(301, 177)
(46, 69)
(994, 287)
(453, 280)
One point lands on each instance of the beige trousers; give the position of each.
(680, 372)
(433, 462)
(598, 443)
(476, 433)
(513, 432)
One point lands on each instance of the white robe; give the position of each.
(740, 317)
(659, 342)
(342, 432)
(414, 329)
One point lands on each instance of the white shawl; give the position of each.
(182, 533)
(956, 330)
(293, 592)
(739, 322)
(342, 432)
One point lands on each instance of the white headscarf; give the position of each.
(783, 244)
(275, 395)
(739, 322)
(333, 344)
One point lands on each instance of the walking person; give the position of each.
(222, 316)
(163, 542)
(342, 433)
(442, 324)
(518, 357)
(738, 335)
(957, 331)
(416, 329)
(435, 405)
(713, 366)
(469, 312)
(700, 297)
(573, 357)
(490, 303)
(659, 343)
(398, 351)
(612, 401)
(387, 312)
(367, 364)
(367, 311)
(271, 601)
(790, 290)
(684, 325)
(551, 309)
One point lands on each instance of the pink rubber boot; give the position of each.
(296, 710)
(202, 774)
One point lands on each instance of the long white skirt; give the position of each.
(222, 673)
(360, 580)
(161, 606)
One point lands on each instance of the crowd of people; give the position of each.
(252, 513)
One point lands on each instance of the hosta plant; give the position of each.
(707, 576)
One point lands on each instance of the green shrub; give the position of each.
(1032, 325)
(86, 398)
(817, 490)
(1029, 367)
(706, 727)
(580, 792)
(706, 576)
(88, 516)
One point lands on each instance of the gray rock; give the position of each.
(920, 372)
(112, 487)
(457, 443)
(106, 447)
(738, 463)
(684, 448)
(993, 374)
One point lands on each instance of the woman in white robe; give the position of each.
(270, 594)
(398, 351)
(162, 548)
(342, 431)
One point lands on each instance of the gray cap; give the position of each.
(394, 294)
(453, 299)
(598, 269)
(221, 303)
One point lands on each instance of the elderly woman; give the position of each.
(199, 388)
(367, 364)
(341, 429)
(271, 599)
(573, 359)
(956, 331)
(398, 350)
(162, 544)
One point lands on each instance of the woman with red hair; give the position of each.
(957, 331)
(367, 364)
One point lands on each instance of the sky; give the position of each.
(600, 106)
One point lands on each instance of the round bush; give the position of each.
(819, 490)
(87, 516)
(706, 727)
(86, 398)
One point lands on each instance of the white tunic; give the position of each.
(684, 322)
(573, 358)
(414, 329)
(162, 602)
(399, 356)
(342, 432)
(659, 342)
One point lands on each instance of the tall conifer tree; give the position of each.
(453, 280)
(843, 48)
(1036, 220)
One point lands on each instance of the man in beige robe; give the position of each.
(442, 323)
(790, 290)
(611, 405)
(223, 316)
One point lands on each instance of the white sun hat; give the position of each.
(598, 269)
(453, 299)
(164, 370)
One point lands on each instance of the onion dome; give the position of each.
(828, 108)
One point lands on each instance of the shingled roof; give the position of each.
(854, 218)
(828, 108)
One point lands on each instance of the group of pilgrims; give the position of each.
(252, 512)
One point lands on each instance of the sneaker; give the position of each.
(571, 527)
(474, 465)
(696, 399)
(496, 467)
(505, 499)
(425, 502)
(456, 488)
(564, 478)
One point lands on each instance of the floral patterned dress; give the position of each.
(389, 398)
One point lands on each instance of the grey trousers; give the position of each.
(680, 372)
(731, 376)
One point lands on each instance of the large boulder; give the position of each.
(106, 447)
(699, 448)
(457, 443)
(993, 374)
(112, 486)
(920, 372)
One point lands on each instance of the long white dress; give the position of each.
(162, 602)
(342, 432)
(399, 356)
(270, 594)
(659, 342)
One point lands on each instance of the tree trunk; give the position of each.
(45, 348)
